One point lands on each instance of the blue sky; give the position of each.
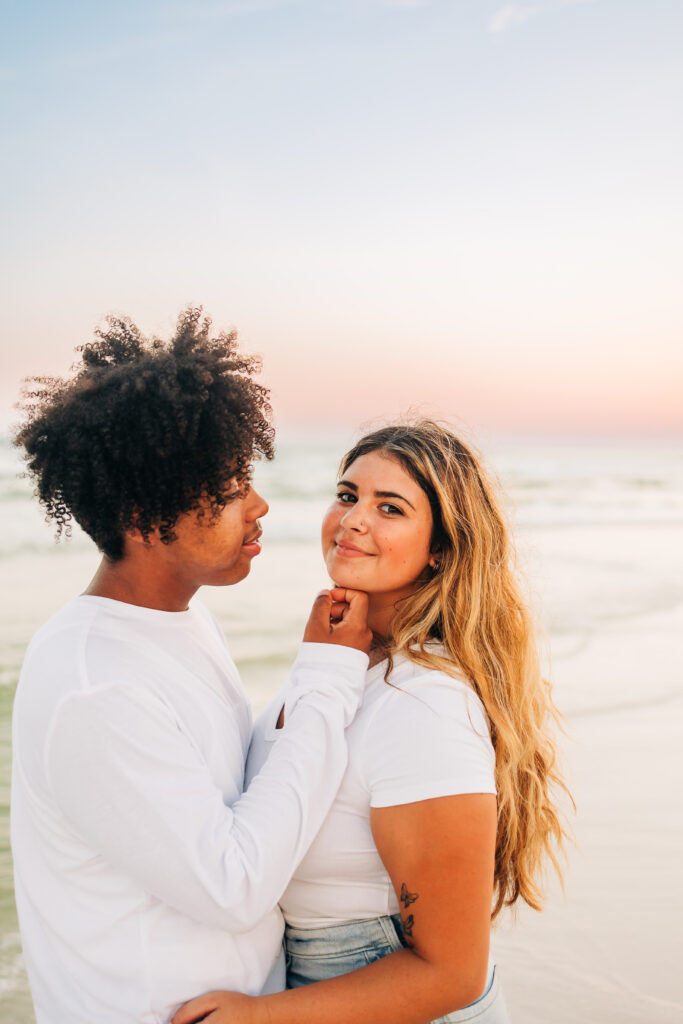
(468, 204)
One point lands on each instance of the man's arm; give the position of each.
(138, 792)
(439, 854)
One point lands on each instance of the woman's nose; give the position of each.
(353, 518)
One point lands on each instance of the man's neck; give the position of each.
(141, 582)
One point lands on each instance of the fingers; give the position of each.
(343, 600)
(339, 616)
(347, 595)
(337, 610)
(195, 1010)
(352, 629)
(322, 607)
(318, 626)
(357, 601)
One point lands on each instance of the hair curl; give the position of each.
(145, 430)
(472, 604)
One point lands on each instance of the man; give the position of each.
(143, 875)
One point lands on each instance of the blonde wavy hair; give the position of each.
(472, 604)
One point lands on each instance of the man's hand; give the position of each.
(340, 616)
(218, 1008)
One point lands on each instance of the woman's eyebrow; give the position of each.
(378, 494)
(392, 494)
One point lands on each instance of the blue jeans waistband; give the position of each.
(346, 937)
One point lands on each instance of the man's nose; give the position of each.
(258, 506)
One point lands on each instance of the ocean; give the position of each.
(599, 526)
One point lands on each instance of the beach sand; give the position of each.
(608, 949)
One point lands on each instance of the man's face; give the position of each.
(216, 552)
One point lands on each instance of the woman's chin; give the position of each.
(346, 580)
(344, 576)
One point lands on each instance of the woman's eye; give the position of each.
(392, 510)
(346, 497)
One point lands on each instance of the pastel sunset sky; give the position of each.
(465, 206)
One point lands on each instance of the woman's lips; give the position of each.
(346, 550)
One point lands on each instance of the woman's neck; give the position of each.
(381, 611)
(380, 615)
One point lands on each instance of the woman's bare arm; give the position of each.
(440, 856)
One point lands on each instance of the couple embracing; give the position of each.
(389, 802)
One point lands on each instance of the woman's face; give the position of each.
(376, 534)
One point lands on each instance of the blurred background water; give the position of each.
(599, 527)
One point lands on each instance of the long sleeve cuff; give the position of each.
(331, 670)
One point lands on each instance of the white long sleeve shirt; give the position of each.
(143, 875)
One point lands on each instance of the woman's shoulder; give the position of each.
(425, 735)
(440, 674)
(440, 688)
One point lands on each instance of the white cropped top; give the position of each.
(423, 734)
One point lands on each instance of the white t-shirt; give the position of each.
(424, 734)
(143, 876)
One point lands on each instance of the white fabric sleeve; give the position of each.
(137, 790)
(427, 741)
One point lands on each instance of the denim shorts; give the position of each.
(314, 954)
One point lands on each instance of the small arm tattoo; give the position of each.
(408, 897)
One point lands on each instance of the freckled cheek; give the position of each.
(397, 558)
(403, 556)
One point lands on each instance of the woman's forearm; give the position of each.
(401, 988)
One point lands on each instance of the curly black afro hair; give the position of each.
(145, 430)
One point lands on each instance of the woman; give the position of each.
(417, 854)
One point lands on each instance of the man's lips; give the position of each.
(253, 541)
(347, 550)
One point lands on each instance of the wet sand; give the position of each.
(608, 950)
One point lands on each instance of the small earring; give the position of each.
(434, 564)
